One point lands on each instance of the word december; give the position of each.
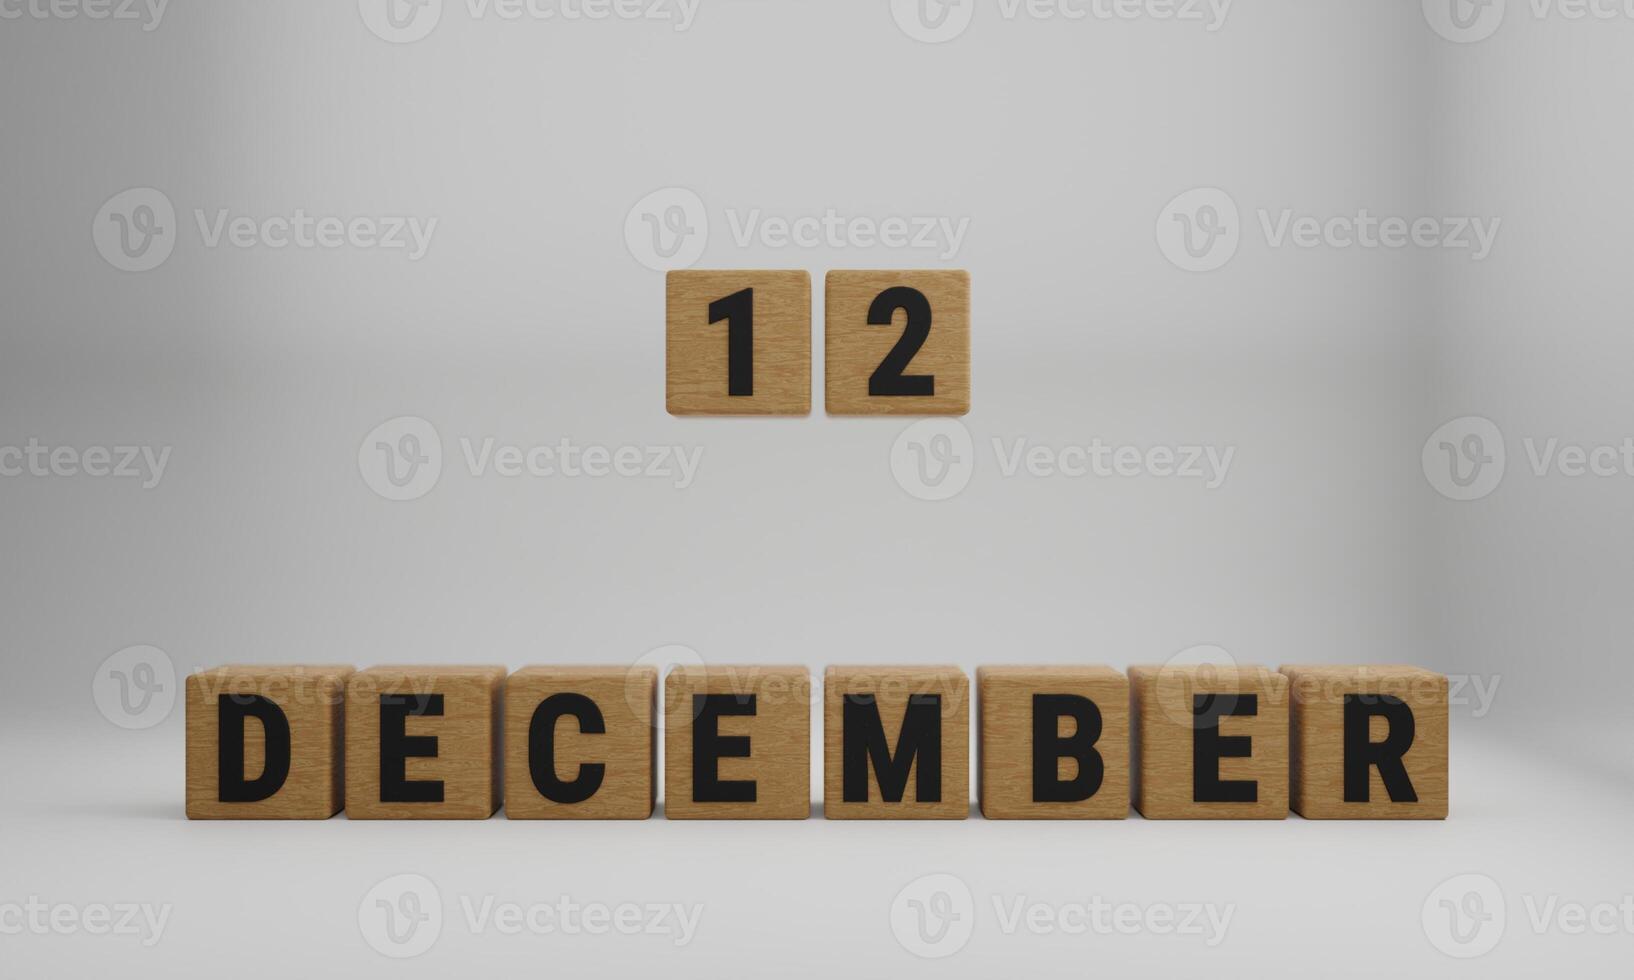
(581, 742)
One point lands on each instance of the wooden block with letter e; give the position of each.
(265, 742)
(1053, 743)
(1211, 742)
(896, 743)
(897, 343)
(1369, 743)
(580, 743)
(423, 743)
(738, 342)
(737, 743)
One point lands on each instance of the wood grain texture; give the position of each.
(1163, 746)
(467, 734)
(892, 688)
(779, 742)
(312, 699)
(696, 359)
(1318, 749)
(853, 349)
(1004, 702)
(627, 749)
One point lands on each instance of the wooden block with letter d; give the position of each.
(423, 743)
(580, 743)
(897, 343)
(737, 743)
(738, 342)
(1053, 743)
(896, 743)
(265, 742)
(1211, 742)
(1369, 743)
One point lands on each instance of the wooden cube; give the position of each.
(896, 743)
(737, 743)
(738, 342)
(423, 743)
(1211, 742)
(897, 343)
(265, 742)
(581, 743)
(1369, 743)
(1053, 743)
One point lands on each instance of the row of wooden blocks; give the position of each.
(739, 342)
(1063, 742)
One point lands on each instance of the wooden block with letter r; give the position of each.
(265, 742)
(738, 342)
(1369, 743)
(1053, 743)
(897, 342)
(1211, 742)
(737, 743)
(580, 743)
(423, 743)
(896, 743)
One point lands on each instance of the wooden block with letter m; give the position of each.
(1369, 743)
(896, 743)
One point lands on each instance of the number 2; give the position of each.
(888, 379)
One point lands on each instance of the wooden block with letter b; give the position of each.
(1211, 742)
(738, 342)
(580, 743)
(265, 742)
(737, 743)
(896, 743)
(1369, 743)
(897, 343)
(423, 743)
(1053, 743)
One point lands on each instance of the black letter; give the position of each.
(709, 746)
(231, 710)
(397, 747)
(1049, 747)
(1209, 747)
(863, 740)
(1361, 753)
(542, 748)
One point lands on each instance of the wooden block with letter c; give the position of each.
(738, 342)
(1053, 743)
(896, 743)
(1369, 743)
(897, 342)
(580, 743)
(1211, 742)
(265, 742)
(423, 743)
(737, 743)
